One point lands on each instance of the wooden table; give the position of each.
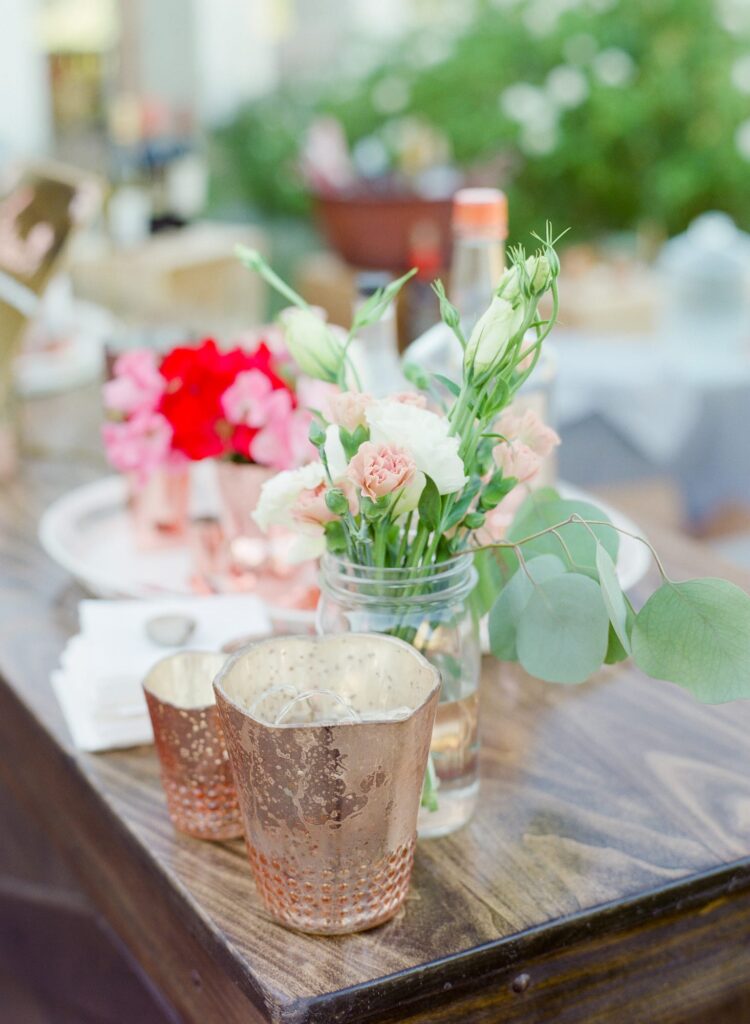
(605, 876)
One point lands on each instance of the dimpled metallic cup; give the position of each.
(328, 738)
(195, 769)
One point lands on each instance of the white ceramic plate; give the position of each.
(88, 533)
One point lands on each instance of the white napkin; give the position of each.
(98, 683)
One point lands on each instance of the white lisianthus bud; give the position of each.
(539, 276)
(312, 344)
(492, 334)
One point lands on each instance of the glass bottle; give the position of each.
(374, 352)
(429, 608)
(480, 226)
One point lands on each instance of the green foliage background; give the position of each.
(659, 149)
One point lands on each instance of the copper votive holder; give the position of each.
(328, 738)
(195, 769)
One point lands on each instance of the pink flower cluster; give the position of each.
(141, 441)
(279, 431)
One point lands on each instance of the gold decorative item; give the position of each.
(328, 738)
(195, 770)
(239, 487)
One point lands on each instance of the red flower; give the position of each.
(196, 379)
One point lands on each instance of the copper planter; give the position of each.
(195, 769)
(328, 739)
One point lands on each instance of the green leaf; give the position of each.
(373, 308)
(513, 598)
(317, 434)
(563, 630)
(448, 384)
(697, 634)
(430, 506)
(498, 488)
(335, 536)
(545, 508)
(615, 651)
(614, 599)
(461, 507)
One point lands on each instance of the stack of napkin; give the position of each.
(98, 683)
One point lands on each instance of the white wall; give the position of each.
(235, 53)
(24, 108)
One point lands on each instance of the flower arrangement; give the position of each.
(201, 402)
(414, 481)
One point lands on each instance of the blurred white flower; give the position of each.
(431, 48)
(540, 136)
(567, 86)
(742, 139)
(523, 102)
(734, 15)
(741, 73)
(390, 95)
(370, 157)
(580, 48)
(614, 67)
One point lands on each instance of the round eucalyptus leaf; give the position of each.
(513, 598)
(614, 599)
(697, 634)
(544, 509)
(563, 630)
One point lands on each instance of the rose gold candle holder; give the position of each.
(159, 506)
(195, 769)
(328, 738)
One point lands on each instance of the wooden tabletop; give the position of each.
(606, 871)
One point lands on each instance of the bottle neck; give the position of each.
(475, 271)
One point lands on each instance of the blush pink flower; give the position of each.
(310, 506)
(349, 409)
(518, 460)
(529, 429)
(378, 470)
(529, 442)
(317, 395)
(139, 445)
(137, 384)
(410, 398)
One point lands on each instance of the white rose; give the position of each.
(424, 435)
(314, 347)
(279, 494)
(493, 333)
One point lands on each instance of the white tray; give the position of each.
(87, 532)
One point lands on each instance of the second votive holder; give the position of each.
(195, 769)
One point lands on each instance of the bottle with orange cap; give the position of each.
(480, 226)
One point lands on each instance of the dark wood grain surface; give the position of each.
(606, 871)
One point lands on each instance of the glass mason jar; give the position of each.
(429, 608)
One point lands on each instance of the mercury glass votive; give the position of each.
(195, 769)
(328, 738)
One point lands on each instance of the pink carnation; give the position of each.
(139, 445)
(528, 428)
(253, 401)
(518, 460)
(310, 506)
(349, 408)
(529, 442)
(378, 470)
(137, 384)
